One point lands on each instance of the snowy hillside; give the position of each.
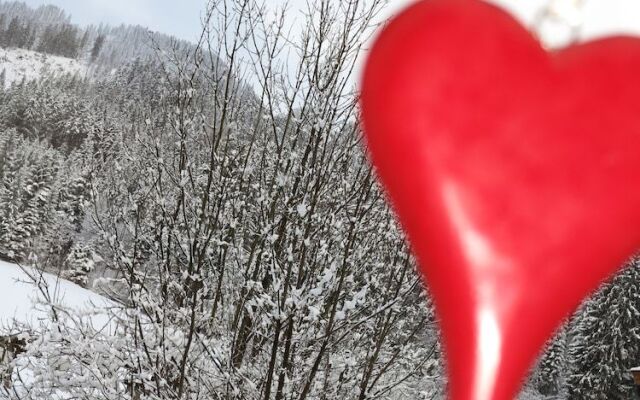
(21, 297)
(28, 333)
(20, 63)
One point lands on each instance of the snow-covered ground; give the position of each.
(22, 301)
(20, 63)
(48, 357)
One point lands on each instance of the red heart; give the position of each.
(513, 172)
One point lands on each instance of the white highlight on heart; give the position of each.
(475, 246)
(482, 255)
(489, 349)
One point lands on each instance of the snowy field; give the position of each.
(19, 63)
(22, 300)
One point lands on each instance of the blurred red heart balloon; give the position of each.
(513, 171)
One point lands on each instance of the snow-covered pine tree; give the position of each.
(10, 199)
(28, 170)
(73, 200)
(37, 192)
(79, 264)
(550, 372)
(97, 47)
(65, 216)
(606, 342)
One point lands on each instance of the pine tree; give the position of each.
(36, 195)
(607, 340)
(11, 233)
(79, 264)
(551, 369)
(46, 40)
(28, 170)
(68, 41)
(3, 34)
(12, 32)
(73, 200)
(97, 47)
(83, 42)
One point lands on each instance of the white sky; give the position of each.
(181, 18)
